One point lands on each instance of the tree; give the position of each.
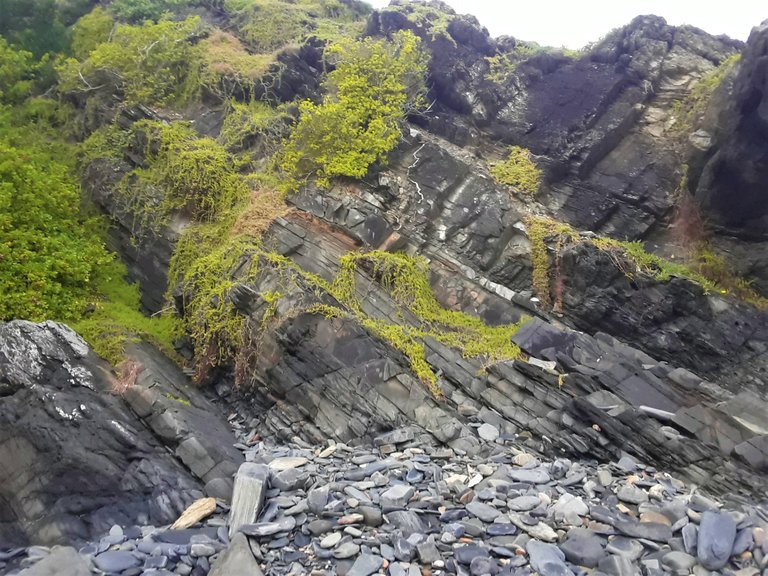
(374, 84)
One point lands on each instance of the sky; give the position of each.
(574, 23)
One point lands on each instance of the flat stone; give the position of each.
(346, 550)
(116, 561)
(632, 494)
(236, 560)
(547, 559)
(618, 566)
(317, 498)
(647, 530)
(485, 512)
(631, 549)
(397, 496)
(717, 533)
(286, 462)
(284, 524)
(523, 503)
(584, 550)
(529, 475)
(428, 552)
(488, 432)
(365, 565)
(331, 540)
(465, 554)
(395, 437)
(406, 521)
(627, 463)
(60, 561)
(677, 561)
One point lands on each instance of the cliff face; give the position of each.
(616, 358)
(608, 128)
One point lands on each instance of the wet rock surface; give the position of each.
(73, 459)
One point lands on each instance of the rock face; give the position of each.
(73, 459)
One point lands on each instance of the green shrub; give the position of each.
(186, 173)
(150, 64)
(49, 252)
(16, 73)
(137, 11)
(253, 123)
(688, 111)
(518, 171)
(374, 84)
(33, 25)
(91, 30)
(228, 67)
(116, 318)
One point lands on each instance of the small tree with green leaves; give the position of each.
(368, 94)
(150, 64)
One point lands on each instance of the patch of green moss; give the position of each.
(178, 399)
(688, 111)
(706, 269)
(406, 279)
(116, 318)
(518, 171)
(186, 173)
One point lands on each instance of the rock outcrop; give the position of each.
(75, 460)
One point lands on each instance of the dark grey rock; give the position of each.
(717, 533)
(547, 559)
(61, 560)
(116, 561)
(584, 550)
(465, 554)
(237, 560)
(649, 530)
(397, 496)
(529, 475)
(365, 564)
(485, 512)
(283, 524)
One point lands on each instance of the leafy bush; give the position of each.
(194, 174)
(228, 68)
(16, 72)
(253, 125)
(49, 252)
(138, 11)
(33, 25)
(373, 85)
(151, 63)
(518, 171)
(91, 30)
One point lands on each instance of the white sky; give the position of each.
(574, 23)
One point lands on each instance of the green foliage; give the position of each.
(430, 20)
(49, 251)
(116, 318)
(110, 141)
(33, 25)
(518, 171)
(406, 279)
(267, 25)
(374, 84)
(186, 173)
(91, 30)
(688, 111)
(630, 257)
(16, 73)
(228, 67)
(253, 126)
(137, 11)
(151, 63)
